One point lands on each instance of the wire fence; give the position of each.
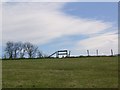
(87, 52)
(96, 52)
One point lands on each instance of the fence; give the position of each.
(97, 52)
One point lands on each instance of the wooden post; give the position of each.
(66, 54)
(69, 53)
(97, 52)
(111, 52)
(88, 52)
(57, 54)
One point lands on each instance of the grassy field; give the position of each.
(89, 72)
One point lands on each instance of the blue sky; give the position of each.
(98, 10)
(75, 26)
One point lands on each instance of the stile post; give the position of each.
(57, 54)
(69, 53)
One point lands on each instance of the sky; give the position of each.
(60, 0)
(75, 26)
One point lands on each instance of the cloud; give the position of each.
(40, 0)
(104, 42)
(41, 23)
(60, 1)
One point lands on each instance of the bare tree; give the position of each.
(21, 50)
(30, 49)
(9, 49)
(16, 49)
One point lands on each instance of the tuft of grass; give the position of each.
(89, 72)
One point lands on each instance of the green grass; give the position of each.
(89, 72)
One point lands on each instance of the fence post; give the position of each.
(69, 53)
(97, 52)
(57, 54)
(111, 52)
(88, 52)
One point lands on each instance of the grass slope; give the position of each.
(89, 72)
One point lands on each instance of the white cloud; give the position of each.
(104, 43)
(60, 0)
(41, 23)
